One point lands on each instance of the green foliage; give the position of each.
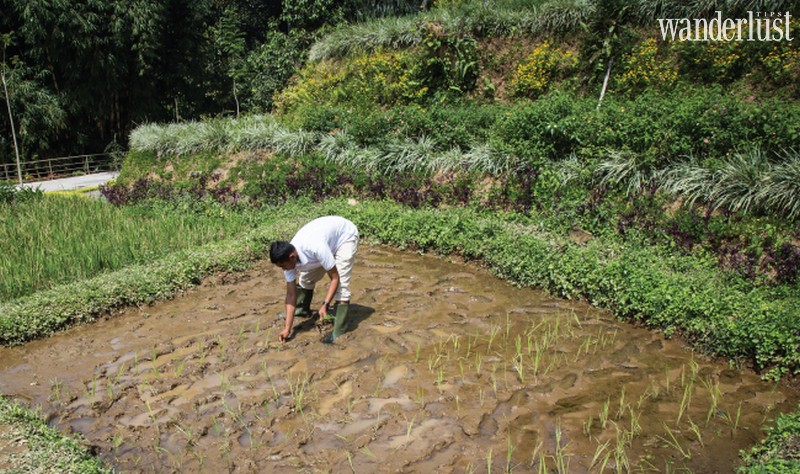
(45, 449)
(444, 64)
(534, 76)
(310, 14)
(544, 129)
(449, 60)
(778, 452)
(715, 61)
(461, 19)
(39, 114)
(58, 239)
(644, 67)
(10, 193)
(267, 69)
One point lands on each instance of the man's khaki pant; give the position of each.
(345, 257)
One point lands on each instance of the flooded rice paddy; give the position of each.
(445, 369)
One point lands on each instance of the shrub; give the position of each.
(546, 63)
(644, 67)
(449, 60)
(778, 452)
(782, 61)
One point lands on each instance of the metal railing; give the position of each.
(61, 167)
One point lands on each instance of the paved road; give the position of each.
(73, 183)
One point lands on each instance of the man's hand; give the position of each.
(323, 311)
(284, 335)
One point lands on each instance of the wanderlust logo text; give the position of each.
(758, 26)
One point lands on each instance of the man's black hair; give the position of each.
(279, 251)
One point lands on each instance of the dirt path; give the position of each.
(446, 369)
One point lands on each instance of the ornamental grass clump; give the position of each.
(755, 181)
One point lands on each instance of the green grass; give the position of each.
(42, 449)
(58, 239)
(45, 312)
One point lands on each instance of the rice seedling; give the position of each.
(56, 387)
(672, 442)
(621, 460)
(738, 416)
(604, 414)
(489, 460)
(456, 341)
(492, 334)
(542, 465)
(179, 367)
(621, 408)
(685, 402)
(420, 396)
(409, 427)
(150, 412)
(236, 413)
(298, 391)
(535, 361)
(587, 426)
(509, 453)
(562, 460)
(91, 391)
(696, 430)
(110, 388)
(598, 455)
(520, 369)
(187, 433)
(712, 386)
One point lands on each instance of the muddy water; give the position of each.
(445, 369)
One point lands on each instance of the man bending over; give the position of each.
(324, 245)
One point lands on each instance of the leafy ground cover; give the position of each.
(28, 444)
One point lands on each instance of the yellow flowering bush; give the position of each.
(643, 67)
(716, 61)
(383, 77)
(782, 63)
(546, 63)
(316, 83)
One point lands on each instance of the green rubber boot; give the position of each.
(303, 305)
(339, 321)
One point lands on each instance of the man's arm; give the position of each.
(333, 273)
(291, 302)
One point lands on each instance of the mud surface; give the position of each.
(445, 369)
